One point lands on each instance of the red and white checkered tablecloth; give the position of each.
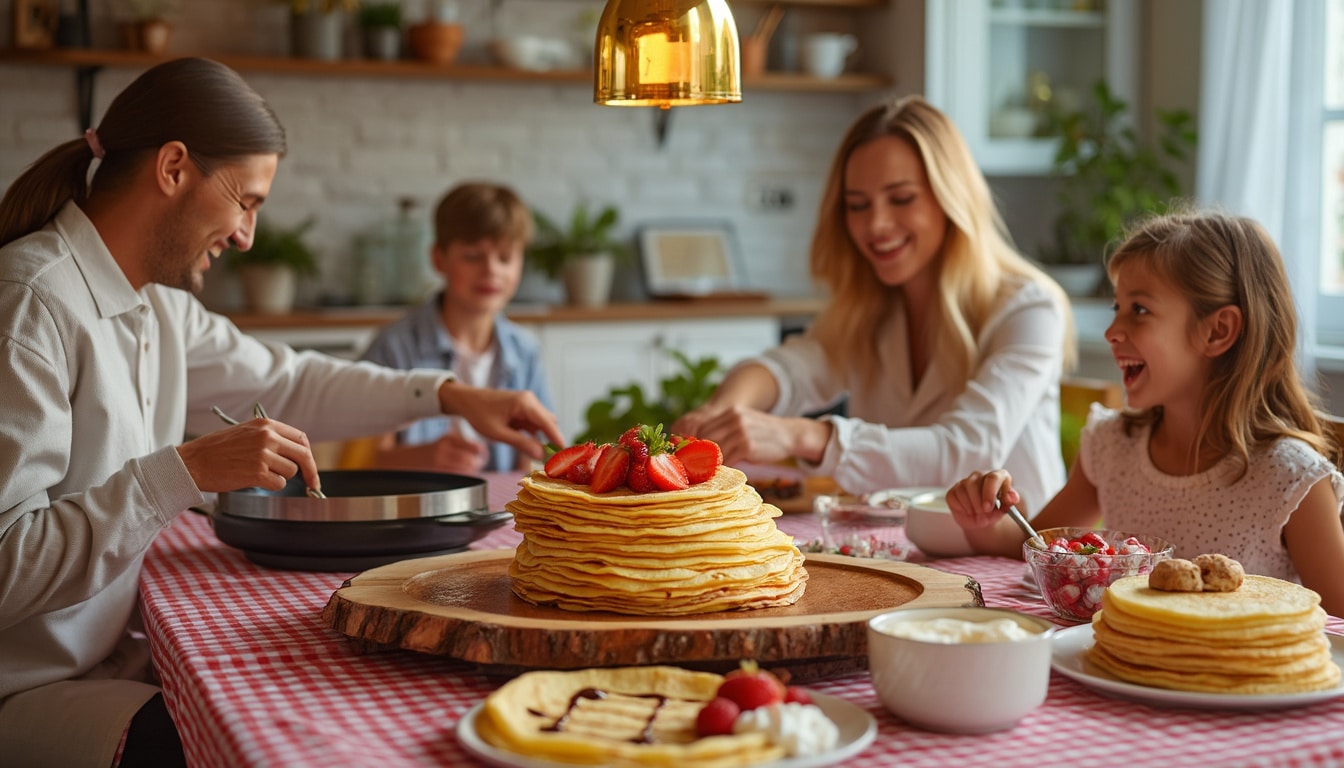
(253, 677)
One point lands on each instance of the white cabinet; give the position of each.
(348, 342)
(996, 67)
(584, 360)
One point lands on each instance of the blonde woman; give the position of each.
(946, 343)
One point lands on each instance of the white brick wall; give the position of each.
(359, 143)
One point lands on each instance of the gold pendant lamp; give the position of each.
(667, 53)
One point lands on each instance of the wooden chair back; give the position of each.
(1076, 396)
(1334, 424)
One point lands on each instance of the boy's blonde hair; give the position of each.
(476, 211)
(1254, 394)
(979, 266)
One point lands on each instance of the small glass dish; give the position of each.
(868, 527)
(1072, 583)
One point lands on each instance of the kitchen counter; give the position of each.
(357, 317)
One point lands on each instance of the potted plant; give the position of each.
(270, 268)
(147, 26)
(1108, 177)
(438, 38)
(584, 255)
(317, 27)
(381, 22)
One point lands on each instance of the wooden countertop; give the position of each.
(688, 309)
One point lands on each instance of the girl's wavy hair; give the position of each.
(201, 103)
(1254, 394)
(979, 263)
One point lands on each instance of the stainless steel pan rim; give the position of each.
(357, 495)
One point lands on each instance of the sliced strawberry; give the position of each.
(701, 458)
(666, 472)
(582, 472)
(572, 461)
(611, 469)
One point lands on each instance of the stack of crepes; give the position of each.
(1266, 637)
(711, 547)
(624, 716)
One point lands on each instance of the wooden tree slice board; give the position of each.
(463, 606)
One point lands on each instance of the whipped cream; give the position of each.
(944, 630)
(803, 730)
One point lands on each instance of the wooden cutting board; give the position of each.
(463, 606)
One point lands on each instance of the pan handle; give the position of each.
(475, 518)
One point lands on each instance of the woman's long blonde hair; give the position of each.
(979, 266)
(201, 103)
(1254, 394)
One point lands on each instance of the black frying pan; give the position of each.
(369, 518)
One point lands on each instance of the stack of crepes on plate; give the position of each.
(1265, 637)
(710, 547)
(624, 716)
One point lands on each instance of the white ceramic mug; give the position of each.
(825, 54)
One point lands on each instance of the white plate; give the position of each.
(857, 731)
(1070, 659)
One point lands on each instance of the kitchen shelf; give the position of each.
(87, 62)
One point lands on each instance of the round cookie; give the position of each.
(1176, 575)
(1220, 573)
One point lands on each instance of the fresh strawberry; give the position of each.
(796, 695)
(611, 469)
(752, 691)
(701, 458)
(666, 472)
(638, 479)
(573, 463)
(631, 438)
(717, 717)
(751, 687)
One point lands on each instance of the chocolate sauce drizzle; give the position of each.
(594, 694)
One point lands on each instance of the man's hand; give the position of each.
(507, 415)
(261, 453)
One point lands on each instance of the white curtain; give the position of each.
(1259, 126)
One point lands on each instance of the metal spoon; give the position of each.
(314, 492)
(1022, 523)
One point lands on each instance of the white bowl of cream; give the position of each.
(959, 670)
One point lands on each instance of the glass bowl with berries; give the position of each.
(1075, 565)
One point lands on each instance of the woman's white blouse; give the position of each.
(934, 434)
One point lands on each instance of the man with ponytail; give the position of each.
(108, 362)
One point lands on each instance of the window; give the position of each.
(1330, 306)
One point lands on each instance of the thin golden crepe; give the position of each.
(711, 547)
(1264, 638)
(622, 716)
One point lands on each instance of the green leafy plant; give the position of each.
(587, 235)
(623, 407)
(278, 246)
(1109, 178)
(377, 15)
